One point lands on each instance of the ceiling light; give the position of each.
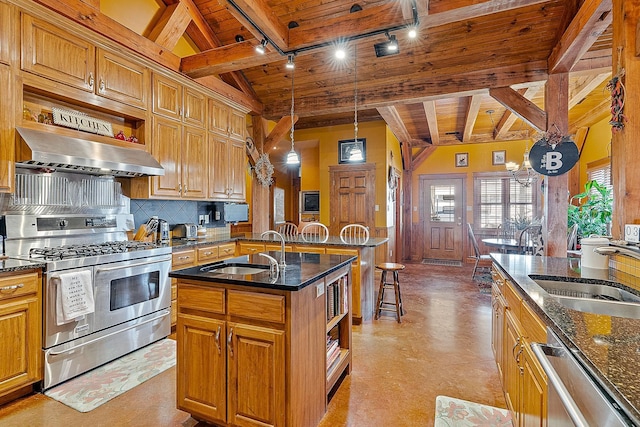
(340, 53)
(292, 156)
(392, 44)
(413, 33)
(290, 64)
(261, 48)
(390, 47)
(522, 174)
(239, 38)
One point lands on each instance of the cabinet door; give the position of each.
(237, 125)
(218, 166)
(167, 97)
(497, 330)
(511, 357)
(20, 352)
(7, 133)
(165, 148)
(202, 369)
(5, 33)
(237, 170)
(256, 358)
(533, 408)
(56, 54)
(194, 163)
(194, 108)
(218, 117)
(122, 80)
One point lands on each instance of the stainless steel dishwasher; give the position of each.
(574, 398)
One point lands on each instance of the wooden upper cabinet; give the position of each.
(237, 172)
(219, 160)
(7, 133)
(57, 55)
(237, 124)
(194, 163)
(5, 32)
(177, 102)
(165, 148)
(218, 117)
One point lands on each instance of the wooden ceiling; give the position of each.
(470, 57)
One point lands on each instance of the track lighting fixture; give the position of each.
(412, 33)
(292, 156)
(390, 47)
(261, 48)
(392, 44)
(290, 64)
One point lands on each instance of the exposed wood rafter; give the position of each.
(521, 106)
(473, 107)
(278, 132)
(432, 121)
(171, 26)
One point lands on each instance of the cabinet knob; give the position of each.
(91, 81)
(102, 85)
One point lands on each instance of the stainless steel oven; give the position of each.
(129, 284)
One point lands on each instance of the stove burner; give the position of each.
(80, 251)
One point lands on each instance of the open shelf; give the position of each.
(334, 373)
(334, 321)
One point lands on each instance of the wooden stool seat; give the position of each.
(395, 285)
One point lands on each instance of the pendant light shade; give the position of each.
(292, 156)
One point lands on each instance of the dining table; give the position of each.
(505, 245)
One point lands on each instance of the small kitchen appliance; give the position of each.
(163, 231)
(185, 231)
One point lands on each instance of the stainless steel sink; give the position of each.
(593, 297)
(237, 269)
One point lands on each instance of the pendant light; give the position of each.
(356, 153)
(292, 156)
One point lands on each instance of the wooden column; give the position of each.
(407, 217)
(259, 194)
(625, 146)
(556, 188)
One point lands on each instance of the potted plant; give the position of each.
(592, 214)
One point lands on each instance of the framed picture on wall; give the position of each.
(352, 151)
(499, 157)
(462, 160)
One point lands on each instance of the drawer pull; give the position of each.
(183, 257)
(208, 253)
(218, 339)
(12, 287)
(230, 342)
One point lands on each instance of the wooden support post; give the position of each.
(259, 194)
(625, 150)
(556, 187)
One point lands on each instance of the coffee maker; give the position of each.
(162, 235)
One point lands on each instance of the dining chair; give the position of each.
(354, 234)
(476, 251)
(531, 241)
(507, 230)
(315, 232)
(287, 229)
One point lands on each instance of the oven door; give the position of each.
(129, 289)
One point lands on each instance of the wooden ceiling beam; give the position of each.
(278, 132)
(597, 113)
(421, 156)
(395, 123)
(198, 30)
(473, 107)
(263, 17)
(520, 106)
(586, 88)
(588, 24)
(232, 94)
(171, 26)
(93, 19)
(432, 121)
(508, 118)
(225, 59)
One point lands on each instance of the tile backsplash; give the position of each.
(172, 211)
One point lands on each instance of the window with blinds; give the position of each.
(499, 199)
(600, 172)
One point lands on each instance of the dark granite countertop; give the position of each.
(608, 345)
(177, 244)
(302, 270)
(10, 264)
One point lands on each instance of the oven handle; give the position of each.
(140, 264)
(564, 395)
(57, 353)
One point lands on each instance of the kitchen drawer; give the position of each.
(256, 305)
(18, 285)
(207, 253)
(202, 298)
(513, 298)
(227, 250)
(183, 259)
(309, 249)
(277, 247)
(251, 248)
(534, 329)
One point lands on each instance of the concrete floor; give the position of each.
(442, 347)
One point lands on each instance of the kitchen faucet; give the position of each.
(609, 250)
(282, 263)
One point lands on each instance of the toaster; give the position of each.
(185, 231)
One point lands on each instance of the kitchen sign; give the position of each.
(553, 159)
(80, 121)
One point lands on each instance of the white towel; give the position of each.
(74, 296)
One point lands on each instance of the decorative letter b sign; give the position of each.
(552, 161)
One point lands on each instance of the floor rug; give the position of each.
(430, 261)
(452, 412)
(484, 281)
(90, 390)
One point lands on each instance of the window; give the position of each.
(600, 171)
(499, 198)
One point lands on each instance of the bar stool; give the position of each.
(395, 285)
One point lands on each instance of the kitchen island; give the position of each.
(260, 349)
(606, 345)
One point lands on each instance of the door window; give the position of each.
(443, 203)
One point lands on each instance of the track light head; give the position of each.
(290, 62)
(261, 48)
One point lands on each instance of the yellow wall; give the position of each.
(376, 152)
(596, 147)
(442, 161)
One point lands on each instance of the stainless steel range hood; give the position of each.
(48, 150)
